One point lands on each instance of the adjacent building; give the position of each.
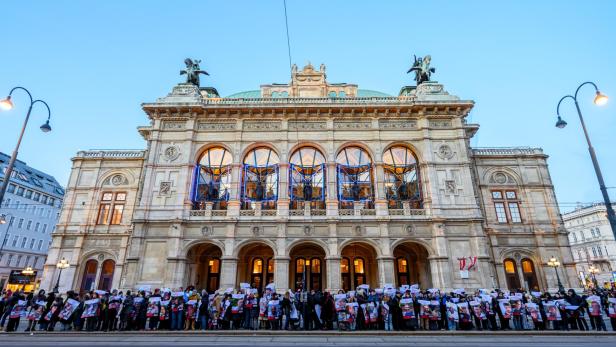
(29, 214)
(592, 243)
(310, 184)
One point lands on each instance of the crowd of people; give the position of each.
(406, 308)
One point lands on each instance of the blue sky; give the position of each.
(96, 62)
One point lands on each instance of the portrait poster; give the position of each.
(478, 310)
(153, 310)
(505, 307)
(68, 309)
(435, 310)
(90, 308)
(340, 302)
(533, 311)
(452, 311)
(516, 306)
(351, 311)
(406, 305)
(464, 314)
(49, 314)
(611, 308)
(594, 305)
(272, 310)
(114, 302)
(164, 312)
(424, 308)
(551, 311)
(373, 312)
(18, 309)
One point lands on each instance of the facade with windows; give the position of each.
(310, 185)
(30, 212)
(592, 243)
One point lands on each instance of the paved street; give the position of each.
(296, 340)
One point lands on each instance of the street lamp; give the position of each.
(553, 262)
(62, 264)
(7, 104)
(593, 271)
(600, 100)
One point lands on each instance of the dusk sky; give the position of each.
(96, 62)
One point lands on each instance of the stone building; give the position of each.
(28, 215)
(592, 243)
(310, 184)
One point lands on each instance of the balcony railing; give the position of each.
(401, 100)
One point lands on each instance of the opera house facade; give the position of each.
(312, 185)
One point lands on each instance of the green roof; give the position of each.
(255, 94)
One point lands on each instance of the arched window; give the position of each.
(401, 177)
(213, 275)
(270, 271)
(307, 177)
(315, 274)
(345, 272)
(213, 178)
(530, 277)
(511, 274)
(89, 275)
(257, 273)
(402, 268)
(359, 272)
(106, 277)
(260, 181)
(300, 269)
(354, 177)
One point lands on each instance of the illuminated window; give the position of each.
(260, 179)
(401, 177)
(509, 266)
(344, 265)
(257, 266)
(213, 178)
(111, 208)
(307, 176)
(402, 265)
(299, 265)
(358, 265)
(315, 265)
(354, 176)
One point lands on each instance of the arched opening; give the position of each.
(401, 178)
(106, 278)
(358, 266)
(307, 267)
(511, 274)
(256, 265)
(212, 179)
(89, 275)
(529, 274)
(412, 265)
(354, 168)
(260, 179)
(204, 266)
(307, 178)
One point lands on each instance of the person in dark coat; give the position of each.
(328, 311)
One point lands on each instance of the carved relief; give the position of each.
(352, 125)
(444, 152)
(261, 125)
(171, 153)
(440, 123)
(174, 125)
(256, 231)
(410, 229)
(308, 230)
(450, 186)
(359, 230)
(216, 126)
(206, 231)
(500, 177)
(116, 180)
(397, 124)
(298, 125)
(165, 188)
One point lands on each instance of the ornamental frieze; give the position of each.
(440, 124)
(294, 125)
(174, 125)
(352, 125)
(216, 126)
(397, 124)
(261, 125)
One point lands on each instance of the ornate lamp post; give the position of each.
(600, 99)
(553, 262)
(62, 264)
(593, 271)
(7, 104)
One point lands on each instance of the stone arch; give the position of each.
(426, 245)
(190, 244)
(130, 179)
(376, 247)
(98, 256)
(528, 279)
(418, 154)
(203, 148)
(316, 242)
(412, 263)
(302, 144)
(359, 264)
(489, 173)
(307, 266)
(204, 264)
(359, 144)
(255, 263)
(247, 242)
(244, 151)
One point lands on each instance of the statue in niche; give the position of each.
(192, 71)
(307, 189)
(422, 69)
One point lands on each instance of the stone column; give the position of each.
(283, 189)
(228, 272)
(386, 270)
(333, 274)
(440, 272)
(380, 202)
(281, 273)
(331, 198)
(233, 207)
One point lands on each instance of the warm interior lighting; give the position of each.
(355, 262)
(600, 99)
(27, 271)
(6, 104)
(211, 263)
(307, 262)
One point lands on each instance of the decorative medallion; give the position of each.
(444, 152)
(171, 153)
(308, 230)
(101, 257)
(206, 231)
(256, 231)
(410, 229)
(450, 186)
(165, 188)
(359, 230)
(118, 180)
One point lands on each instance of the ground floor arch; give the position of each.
(411, 265)
(521, 272)
(204, 266)
(307, 267)
(358, 265)
(255, 265)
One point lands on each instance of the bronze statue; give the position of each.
(192, 71)
(422, 69)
